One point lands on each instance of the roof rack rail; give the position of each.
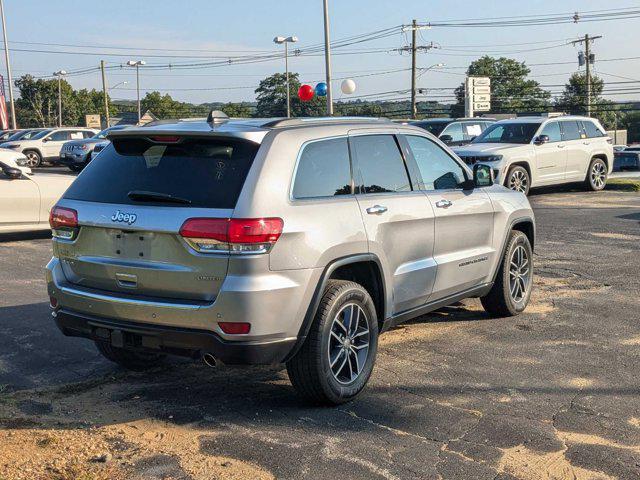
(291, 122)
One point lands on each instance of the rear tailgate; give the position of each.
(131, 202)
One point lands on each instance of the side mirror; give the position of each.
(482, 175)
(446, 139)
(45, 140)
(541, 139)
(12, 172)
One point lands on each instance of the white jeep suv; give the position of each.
(45, 146)
(537, 151)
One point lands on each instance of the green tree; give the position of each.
(38, 102)
(511, 90)
(574, 100)
(272, 98)
(237, 110)
(631, 122)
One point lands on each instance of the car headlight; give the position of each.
(22, 161)
(491, 158)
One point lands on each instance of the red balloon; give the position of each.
(305, 93)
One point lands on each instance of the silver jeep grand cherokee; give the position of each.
(286, 240)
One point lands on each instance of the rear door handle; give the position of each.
(444, 204)
(561, 146)
(376, 210)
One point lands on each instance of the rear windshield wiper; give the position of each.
(144, 196)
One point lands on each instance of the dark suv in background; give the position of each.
(455, 131)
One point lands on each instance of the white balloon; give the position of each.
(348, 86)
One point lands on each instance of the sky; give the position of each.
(164, 32)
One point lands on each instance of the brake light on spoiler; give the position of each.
(232, 235)
(64, 223)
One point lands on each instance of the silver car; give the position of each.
(286, 240)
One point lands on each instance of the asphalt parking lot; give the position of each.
(553, 393)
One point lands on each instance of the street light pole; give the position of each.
(327, 57)
(59, 74)
(137, 64)
(286, 41)
(6, 57)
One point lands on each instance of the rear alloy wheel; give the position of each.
(33, 158)
(512, 288)
(597, 176)
(336, 360)
(518, 179)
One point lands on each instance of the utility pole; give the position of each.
(414, 104)
(414, 48)
(6, 57)
(327, 58)
(59, 74)
(588, 61)
(104, 91)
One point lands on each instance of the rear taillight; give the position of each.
(232, 235)
(63, 222)
(83, 147)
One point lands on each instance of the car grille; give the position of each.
(473, 159)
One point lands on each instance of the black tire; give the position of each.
(501, 301)
(34, 159)
(310, 370)
(130, 359)
(518, 179)
(597, 175)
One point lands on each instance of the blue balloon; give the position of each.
(321, 89)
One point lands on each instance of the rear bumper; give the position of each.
(173, 340)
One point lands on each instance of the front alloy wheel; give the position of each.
(519, 274)
(33, 159)
(518, 180)
(511, 290)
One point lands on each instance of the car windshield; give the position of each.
(433, 127)
(41, 134)
(17, 135)
(517, 132)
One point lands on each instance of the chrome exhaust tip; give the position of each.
(209, 360)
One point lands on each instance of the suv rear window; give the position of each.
(206, 173)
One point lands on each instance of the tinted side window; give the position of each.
(552, 130)
(591, 130)
(455, 131)
(323, 170)
(380, 164)
(438, 170)
(571, 130)
(59, 136)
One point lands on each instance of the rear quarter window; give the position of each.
(323, 170)
(592, 130)
(208, 173)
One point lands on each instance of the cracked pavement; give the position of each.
(553, 393)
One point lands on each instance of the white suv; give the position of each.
(537, 151)
(46, 145)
